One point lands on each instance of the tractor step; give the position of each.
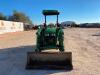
(49, 60)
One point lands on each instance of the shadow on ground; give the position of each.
(13, 62)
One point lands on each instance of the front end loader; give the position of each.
(49, 37)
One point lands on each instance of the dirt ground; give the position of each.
(83, 43)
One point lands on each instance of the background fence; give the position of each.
(10, 26)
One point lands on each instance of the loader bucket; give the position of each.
(49, 60)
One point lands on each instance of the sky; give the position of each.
(80, 11)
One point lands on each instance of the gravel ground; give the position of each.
(83, 43)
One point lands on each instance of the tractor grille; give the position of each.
(50, 34)
(50, 39)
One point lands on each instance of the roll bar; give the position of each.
(50, 13)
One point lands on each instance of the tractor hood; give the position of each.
(50, 30)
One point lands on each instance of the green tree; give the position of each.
(2, 17)
(19, 17)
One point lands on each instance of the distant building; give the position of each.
(68, 23)
(90, 25)
(28, 26)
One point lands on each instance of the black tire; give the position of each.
(37, 50)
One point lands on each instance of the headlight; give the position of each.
(53, 34)
(46, 34)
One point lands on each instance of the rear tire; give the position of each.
(37, 50)
(61, 49)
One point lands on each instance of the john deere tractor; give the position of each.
(49, 37)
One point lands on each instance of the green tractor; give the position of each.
(49, 37)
